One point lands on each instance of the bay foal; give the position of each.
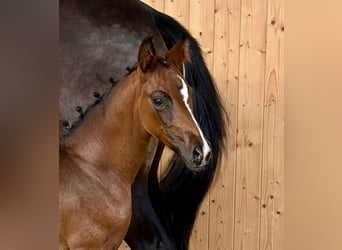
(100, 159)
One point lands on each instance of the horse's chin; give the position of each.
(187, 160)
(194, 167)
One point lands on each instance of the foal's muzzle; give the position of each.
(198, 157)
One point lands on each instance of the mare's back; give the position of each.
(97, 42)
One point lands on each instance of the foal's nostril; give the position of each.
(197, 155)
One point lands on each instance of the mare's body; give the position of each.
(97, 42)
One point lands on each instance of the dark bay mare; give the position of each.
(98, 41)
(100, 159)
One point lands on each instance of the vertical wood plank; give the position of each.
(280, 169)
(156, 4)
(201, 26)
(220, 74)
(250, 122)
(272, 225)
(225, 73)
(232, 99)
(200, 235)
(178, 9)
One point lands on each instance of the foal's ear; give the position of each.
(146, 54)
(179, 53)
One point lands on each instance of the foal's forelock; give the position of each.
(185, 94)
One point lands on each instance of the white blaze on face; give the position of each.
(185, 93)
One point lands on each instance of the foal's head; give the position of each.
(165, 103)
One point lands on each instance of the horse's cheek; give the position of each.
(147, 117)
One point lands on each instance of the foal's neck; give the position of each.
(111, 135)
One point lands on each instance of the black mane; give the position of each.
(98, 98)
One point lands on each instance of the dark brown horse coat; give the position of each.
(100, 159)
(98, 40)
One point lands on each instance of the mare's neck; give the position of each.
(111, 135)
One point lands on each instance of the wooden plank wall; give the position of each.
(242, 42)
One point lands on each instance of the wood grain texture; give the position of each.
(157, 4)
(242, 43)
(178, 9)
(225, 72)
(223, 190)
(250, 122)
(272, 199)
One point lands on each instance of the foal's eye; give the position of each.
(158, 102)
(160, 99)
